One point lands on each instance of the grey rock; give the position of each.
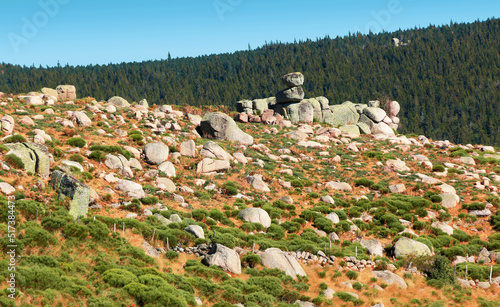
(225, 258)
(196, 230)
(373, 246)
(81, 119)
(257, 183)
(304, 304)
(219, 126)
(293, 79)
(166, 184)
(79, 193)
(352, 130)
(208, 165)
(34, 156)
(450, 200)
(333, 217)
(260, 105)
(66, 92)
(163, 220)
(382, 128)
(119, 102)
(132, 189)
(188, 148)
(397, 188)
(339, 186)
(213, 150)
(406, 247)
(481, 213)
(167, 168)
(328, 293)
(256, 215)
(390, 278)
(175, 218)
(275, 258)
(328, 199)
(484, 256)
(156, 153)
(294, 94)
(375, 114)
(343, 114)
(6, 188)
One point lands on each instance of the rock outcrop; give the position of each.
(34, 156)
(220, 126)
(225, 258)
(69, 186)
(276, 258)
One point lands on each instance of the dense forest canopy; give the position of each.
(446, 79)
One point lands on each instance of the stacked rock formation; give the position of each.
(289, 104)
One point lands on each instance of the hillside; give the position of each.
(447, 78)
(157, 214)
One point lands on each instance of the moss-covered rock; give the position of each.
(69, 186)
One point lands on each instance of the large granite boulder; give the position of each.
(132, 189)
(119, 102)
(188, 148)
(81, 119)
(293, 79)
(390, 278)
(375, 114)
(156, 153)
(393, 108)
(220, 126)
(256, 215)
(275, 258)
(343, 114)
(34, 156)
(196, 230)
(208, 165)
(257, 183)
(50, 92)
(225, 258)
(213, 150)
(69, 186)
(407, 247)
(373, 246)
(66, 92)
(7, 124)
(294, 94)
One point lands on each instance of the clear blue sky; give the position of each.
(82, 32)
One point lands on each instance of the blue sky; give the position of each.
(83, 32)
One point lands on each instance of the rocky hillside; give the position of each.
(296, 203)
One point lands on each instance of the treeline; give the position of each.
(446, 79)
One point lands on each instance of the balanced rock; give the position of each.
(275, 258)
(156, 153)
(393, 108)
(66, 92)
(220, 126)
(294, 94)
(225, 258)
(407, 247)
(69, 186)
(256, 215)
(293, 79)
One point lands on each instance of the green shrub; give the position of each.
(76, 158)
(98, 230)
(16, 138)
(357, 285)
(119, 277)
(14, 161)
(171, 255)
(97, 155)
(81, 232)
(151, 200)
(76, 142)
(351, 275)
(36, 236)
(250, 260)
(438, 168)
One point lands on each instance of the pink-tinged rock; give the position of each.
(393, 108)
(395, 119)
(242, 117)
(254, 119)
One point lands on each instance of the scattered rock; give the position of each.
(225, 258)
(275, 258)
(68, 186)
(156, 153)
(406, 247)
(256, 215)
(220, 126)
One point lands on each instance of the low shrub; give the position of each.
(76, 142)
